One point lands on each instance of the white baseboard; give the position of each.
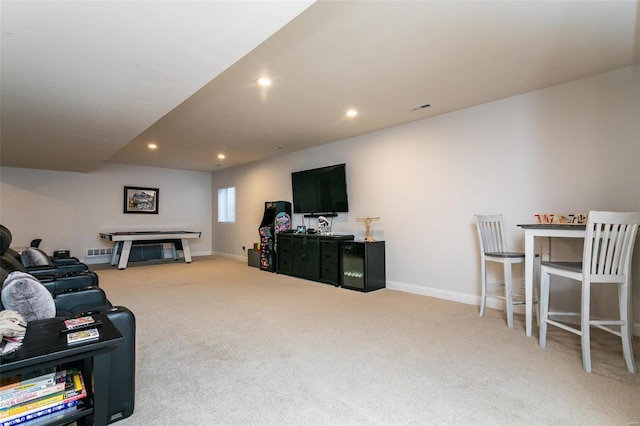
(459, 297)
(231, 256)
(434, 292)
(201, 253)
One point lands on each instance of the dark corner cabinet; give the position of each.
(311, 256)
(363, 265)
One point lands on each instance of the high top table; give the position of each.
(531, 231)
(124, 241)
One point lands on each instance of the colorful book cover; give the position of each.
(31, 395)
(83, 336)
(72, 323)
(39, 414)
(74, 390)
(27, 393)
(17, 385)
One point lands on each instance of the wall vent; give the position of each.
(99, 252)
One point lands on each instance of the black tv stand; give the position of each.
(313, 257)
(321, 214)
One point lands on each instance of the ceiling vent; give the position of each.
(419, 107)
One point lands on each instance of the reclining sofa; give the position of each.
(67, 295)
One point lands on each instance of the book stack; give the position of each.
(26, 400)
(81, 329)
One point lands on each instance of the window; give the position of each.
(227, 204)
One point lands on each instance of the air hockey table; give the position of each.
(123, 241)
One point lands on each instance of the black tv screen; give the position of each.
(322, 190)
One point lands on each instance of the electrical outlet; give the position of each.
(244, 248)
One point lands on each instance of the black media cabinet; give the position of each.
(311, 256)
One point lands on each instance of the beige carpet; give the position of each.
(220, 343)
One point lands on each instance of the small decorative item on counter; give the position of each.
(367, 223)
(567, 219)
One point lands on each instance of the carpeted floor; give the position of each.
(220, 343)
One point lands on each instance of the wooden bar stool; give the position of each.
(606, 260)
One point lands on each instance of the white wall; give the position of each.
(69, 210)
(566, 149)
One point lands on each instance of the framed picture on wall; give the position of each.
(141, 200)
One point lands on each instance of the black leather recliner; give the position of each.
(73, 296)
(32, 257)
(37, 260)
(87, 301)
(61, 257)
(60, 278)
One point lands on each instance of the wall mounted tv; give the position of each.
(322, 190)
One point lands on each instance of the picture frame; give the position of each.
(141, 200)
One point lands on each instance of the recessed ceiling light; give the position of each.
(152, 146)
(221, 156)
(264, 82)
(351, 113)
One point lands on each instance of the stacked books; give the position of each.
(24, 401)
(81, 329)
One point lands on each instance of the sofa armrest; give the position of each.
(58, 261)
(74, 301)
(56, 284)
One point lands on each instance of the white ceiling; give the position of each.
(87, 82)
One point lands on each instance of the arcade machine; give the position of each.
(276, 219)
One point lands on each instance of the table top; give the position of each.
(148, 235)
(148, 232)
(318, 236)
(44, 342)
(577, 227)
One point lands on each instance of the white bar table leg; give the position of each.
(124, 256)
(529, 251)
(114, 254)
(186, 250)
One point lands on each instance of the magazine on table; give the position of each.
(83, 336)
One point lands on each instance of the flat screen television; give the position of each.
(322, 190)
